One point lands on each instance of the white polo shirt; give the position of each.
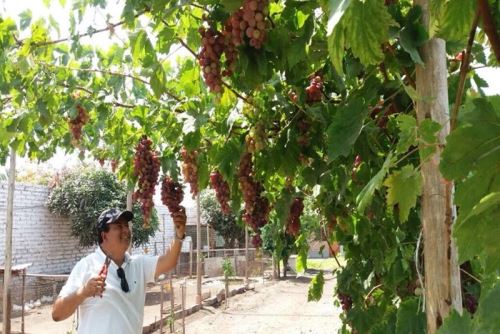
(117, 311)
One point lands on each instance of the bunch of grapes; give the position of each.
(256, 240)
(147, 169)
(114, 165)
(256, 206)
(255, 26)
(209, 57)
(296, 209)
(345, 301)
(222, 192)
(190, 169)
(313, 91)
(172, 194)
(101, 161)
(303, 126)
(76, 124)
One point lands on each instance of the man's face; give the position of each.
(119, 234)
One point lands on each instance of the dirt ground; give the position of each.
(281, 307)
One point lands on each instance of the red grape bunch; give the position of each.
(296, 209)
(222, 191)
(190, 169)
(76, 124)
(147, 169)
(254, 15)
(209, 57)
(114, 165)
(172, 194)
(313, 91)
(345, 301)
(256, 206)
(303, 126)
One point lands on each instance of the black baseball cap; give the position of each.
(111, 216)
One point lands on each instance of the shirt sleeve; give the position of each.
(149, 264)
(76, 279)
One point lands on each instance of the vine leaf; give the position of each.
(403, 188)
(368, 29)
(365, 196)
(487, 317)
(455, 19)
(316, 287)
(427, 133)
(407, 132)
(345, 128)
(456, 324)
(337, 9)
(413, 34)
(409, 318)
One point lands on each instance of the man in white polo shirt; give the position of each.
(109, 286)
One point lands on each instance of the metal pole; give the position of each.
(183, 290)
(190, 258)
(208, 240)
(198, 251)
(246, 256)
(8, 243)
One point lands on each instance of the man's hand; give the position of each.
(94, 287)
(179, 218)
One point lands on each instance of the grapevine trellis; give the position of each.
(369, 110)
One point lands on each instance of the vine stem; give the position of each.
(331, 250)
(125, 75)
(489, 27)
(464, 69)
(372, 291)
(470, 275)
(109, 27)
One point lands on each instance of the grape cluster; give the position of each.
(222, 192)
(303, 126)
(76, 124)
(345, 301)
(256, 206)
(114, 165)
(190, 169)
(248, 23)
(256, 240)
(172, 194)
(293, 223)
(255, 26)
(209, 57)
(147, 169)
(313, 91)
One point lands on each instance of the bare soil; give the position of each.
(278, 307)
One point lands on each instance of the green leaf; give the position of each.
(456, 324)
(158, 81)
(478, 233)
(25, 19)
(365, 196)
(487, 317)
(368, 29)
(337, 9)
(403, 188)
(456, 19)
(345, 128)
(336, 46)
(407, 132)
(413, 34)
(409, 318)
(471, 143)
(427, 135)
(316, 287)
(231, 5)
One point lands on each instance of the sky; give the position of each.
(98, 19)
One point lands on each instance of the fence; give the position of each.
(171, 298)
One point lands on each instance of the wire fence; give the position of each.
(170, 299)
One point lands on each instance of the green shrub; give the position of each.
(83, 194)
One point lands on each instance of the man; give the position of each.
(109, 286)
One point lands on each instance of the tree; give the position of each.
(84, 194)
(225, 225)
(312, 95)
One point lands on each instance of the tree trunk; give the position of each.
(432, 103)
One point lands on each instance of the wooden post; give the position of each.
(23, 273)
(246, 257)
(198, 251)
(432, 103)
(190, 258)
(208, 240)
(183, 302)
(8, 243)
(172, 305)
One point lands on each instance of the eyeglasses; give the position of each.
(123, 280)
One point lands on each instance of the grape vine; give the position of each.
(190, 169)
(222, 191)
